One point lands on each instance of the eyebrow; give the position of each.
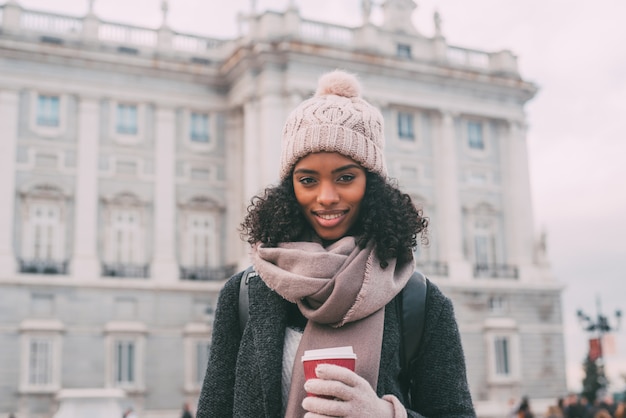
(337, 170)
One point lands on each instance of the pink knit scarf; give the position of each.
(342, 291)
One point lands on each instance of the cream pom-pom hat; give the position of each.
(336, 119)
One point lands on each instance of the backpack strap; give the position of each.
(412, 312)
(244, 297)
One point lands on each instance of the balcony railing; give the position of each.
(432, 268)
(39, 266)
(125, 270)
(495, 271)
(207, 273)
(58, 28)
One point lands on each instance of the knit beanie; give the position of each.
(335, 119)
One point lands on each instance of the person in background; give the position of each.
(332, 244)
(186, 411)
(524, 410)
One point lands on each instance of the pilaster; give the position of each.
(164, 266)
(9, 102)
(448, 202)
(250, 168)
(520, 223)
(85, 262)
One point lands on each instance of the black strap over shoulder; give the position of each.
(244, 299)
(412, 312)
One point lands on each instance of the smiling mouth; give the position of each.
(330, 216)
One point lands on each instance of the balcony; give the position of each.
(39, 266)
(432, 268)
(125, 270)
(207, 273)
(495, 271)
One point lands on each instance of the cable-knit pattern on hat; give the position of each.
(337, 119)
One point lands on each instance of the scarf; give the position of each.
(342, 291)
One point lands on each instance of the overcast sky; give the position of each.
(574, 52)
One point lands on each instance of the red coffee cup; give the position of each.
(341, 356)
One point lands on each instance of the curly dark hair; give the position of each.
(387, 216)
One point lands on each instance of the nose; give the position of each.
(328, 193)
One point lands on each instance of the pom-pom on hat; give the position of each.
(336, 119)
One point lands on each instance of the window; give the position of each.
(45, 228)
(40, 362)
(203, 349)
(201, 240)
(498, 304)
(124, 244)
(127, 119)
(484, 245)
(503, 352)
(475, 138)
(125, 232)
(200, 250)
(48, 110)
(197, 347)
(405, 126)
(41, 355)
(403, 51)
(124, 363)
(199, 127)
(43, 231)
(502, 356)
(125, 354)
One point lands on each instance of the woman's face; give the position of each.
(329, 188)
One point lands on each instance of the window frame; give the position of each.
(406, 120)
(485, 137)
(53, 198)
(127, 138)
(48, 131)
(126, 332)
(503, 329)
(195, 333)
(50, 331)
(121, 204)
(44, 102)
(404, 50)
(187, 126)
(204, 136)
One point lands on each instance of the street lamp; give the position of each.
(599, 326)
(601, 323)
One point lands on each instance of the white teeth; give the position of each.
(330, 216)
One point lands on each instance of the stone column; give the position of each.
(85, 261)
(519, 221)
(272, 121)
(9, 103)
(251, 150)
(164, 266)
(450, 226)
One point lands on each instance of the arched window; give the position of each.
(200, 232)
(485, 242)
(124, 246)
(43, 231)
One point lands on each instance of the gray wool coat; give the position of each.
(243, 377)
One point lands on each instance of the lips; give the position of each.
(329, 219)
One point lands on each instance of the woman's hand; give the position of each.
(351, 395)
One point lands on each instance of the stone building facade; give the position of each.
(128, 158)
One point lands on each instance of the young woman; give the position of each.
(332, 246)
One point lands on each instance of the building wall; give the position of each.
(483, 252)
